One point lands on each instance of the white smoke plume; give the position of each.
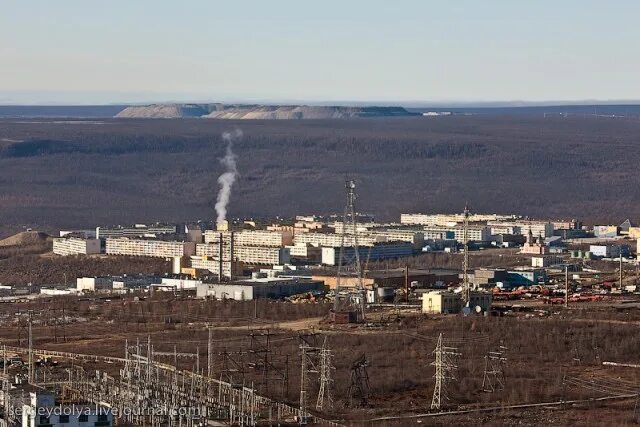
(227, 179)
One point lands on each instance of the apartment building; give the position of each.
(261, 255)
(380, 251)
(262, 238)
(335, 240)
(416, 238)
(138, 230)
(538, 228)
(75, 246)
(447, 220)
(149, 248)
(476, 233)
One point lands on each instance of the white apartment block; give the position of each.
(538, 228)
(476, 233)
(149, 248)
(335, 240)
(213, 266)
(252, 237)
(42, 410)
(414, 237)
(75, 246)
(247, 254)
(443, 220)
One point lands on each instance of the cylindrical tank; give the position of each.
(574, 254)
(580, 254)
(588, 255)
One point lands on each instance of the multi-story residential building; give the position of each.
(331, 255)
(335, 240)
(416, 238)
(476, 233)
(447, 220)
(263, 238)
(75, 246)
(138, 230)
(538, 228)
(149, 247)
(261, 255)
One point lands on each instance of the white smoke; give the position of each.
(227, 179)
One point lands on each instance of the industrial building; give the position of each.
(66, 246)
(41, 409)
(447, 302)
(609, 251)
(606, 231)
(148, 247)
(380, 251)
(259, 287)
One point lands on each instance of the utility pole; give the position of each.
(359, 387)
(30, 375)
(406, 282)
(209, 350)
(465, 265)
(445, 371)
(620, 255)
(566, 286)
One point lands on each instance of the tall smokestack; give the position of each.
(228, 178)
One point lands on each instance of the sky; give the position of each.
(136, 51)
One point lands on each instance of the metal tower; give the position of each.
(494, 377)
(466, 289)
(445, 371)
(349, 265)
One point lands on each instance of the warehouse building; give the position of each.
(66, 246)
(149, 247)
(250, 289)
(609, 251)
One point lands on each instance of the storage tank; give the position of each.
(588, 254)
(574, 254)
(580, 254)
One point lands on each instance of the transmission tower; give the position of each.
(465, 265)
(326, 377)
(494, 377)
(359, 387)
(445, 372)
(350, 266)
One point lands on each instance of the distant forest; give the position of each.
(75, 173)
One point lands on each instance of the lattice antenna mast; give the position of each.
(465, 266)
(445, 372)
(350, 231)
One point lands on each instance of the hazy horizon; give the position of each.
(76, 52)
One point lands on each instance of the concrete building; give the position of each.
(257, 255)
(527, 276)
(544, 261)
(489, 277)
(75, 246)
(476, 233)
(606, 231)
(180, 284)
(391, 250)
(538, 228)
(305, 252)
(212, 265)
(137, 230)
(43, 410)
(94, 284)
(415, 237)
(446, 302)
(335, 240)
(251, 289)
(148, 247)
(260, 238)
(609, 251)
(447, 220)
